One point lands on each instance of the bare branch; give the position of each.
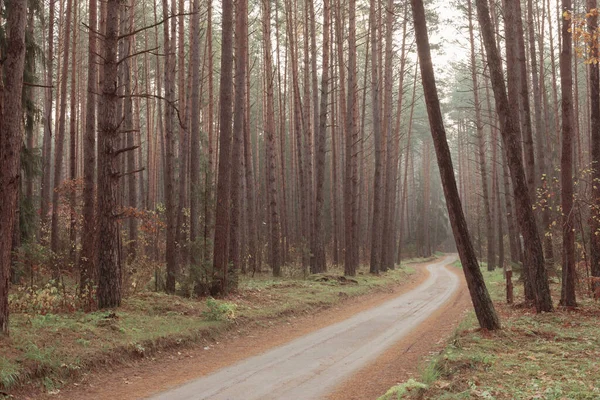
(131, 172)
(136, 54)
(36, 85)
(135, 32)
(124, 150)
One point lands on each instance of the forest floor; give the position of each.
(159, 339)
(534, 356)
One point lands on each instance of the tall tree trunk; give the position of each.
(351, 178)
(595, 158)
(184, 139)
(404, 196)
(393, 138)
(109, 252)
(484, 308)
(11, 88)
(195, 134)
(509, 128)
(88, 231)
(73, 148)
(60, 136)
(516, 108)
(491, 254)
(318, 248)
(47, 141)
(379, 139)
(237, 156)
(271, 168)
(222, 221)
(540, 131)
(129, 129)
(567, 295)
(524, 100)
(169, 175)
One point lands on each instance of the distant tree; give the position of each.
(60, 134)
(46, 189)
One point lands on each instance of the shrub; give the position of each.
(219, 310)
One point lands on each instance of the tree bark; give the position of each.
(237, 156)
(109, 252)
(222, 222)
(318, 249)
(169, 174)
(351, 178)
(595, 158)
(271, 168)
(11, 88)
(567, 294)
(88, 233)
(195, 190)
(379, 139)
(491, 254)
(60, 135)
(47, 141)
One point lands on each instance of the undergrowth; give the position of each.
(52, 343)
(535, 356)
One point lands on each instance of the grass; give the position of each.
(49, 350)
(535, 356)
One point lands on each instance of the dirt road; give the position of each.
(311, 366)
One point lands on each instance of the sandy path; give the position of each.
(311, 366)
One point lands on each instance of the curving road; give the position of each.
(311, 366)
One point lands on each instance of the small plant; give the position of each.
(9, 373)
(219, 310)
(398, 391)
(48, 299)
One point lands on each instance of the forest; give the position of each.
(187, 146)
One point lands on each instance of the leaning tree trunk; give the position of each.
(484, 308)
(510, 131)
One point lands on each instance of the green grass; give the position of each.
(54, 348)
(535, 356)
